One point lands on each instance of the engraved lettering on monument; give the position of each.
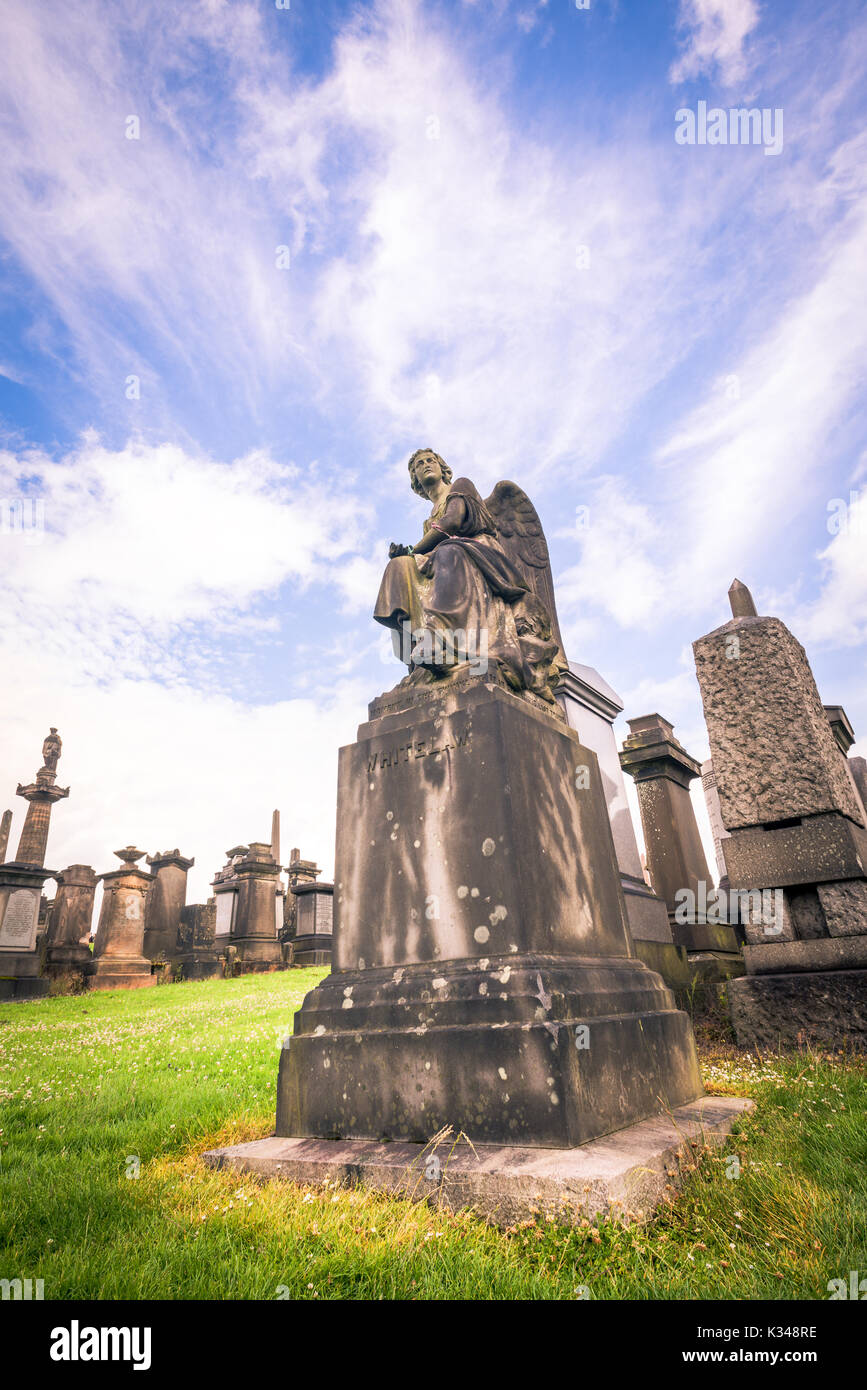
(20, 918)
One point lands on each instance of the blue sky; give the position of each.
(496, 247)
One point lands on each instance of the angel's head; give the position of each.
(426, 469)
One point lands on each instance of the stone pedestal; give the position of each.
(591, 708)
(483, 969)
(313, 923)
(118, 960)
(21, 883)
(166, 898)
(796, 831)
(255, 925)
(67, 952)
(197, 957)
(676, 861)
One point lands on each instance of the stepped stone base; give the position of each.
(624, 1176)
(115, 972)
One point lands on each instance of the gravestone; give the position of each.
(591, 707)
(166, 897)
(255, 923)
(67, 952)
(796, 831)
(663, 770)
(197, 956)
(313, 923)
(118, 959)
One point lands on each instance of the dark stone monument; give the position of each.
(118, 959)
(258, 911)
(796, 831)
(313, 923)
(67, 952)
(484, 975)
(197, 956)
(166, 897)
(21, 882)
(676, 861)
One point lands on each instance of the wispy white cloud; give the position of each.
(714, 39)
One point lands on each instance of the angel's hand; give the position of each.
(396, 549)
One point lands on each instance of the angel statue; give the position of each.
(476, 589)
(51, 749)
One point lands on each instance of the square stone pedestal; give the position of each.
(484, 976)
(623, 1176)
(803, 992)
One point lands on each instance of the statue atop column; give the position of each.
(51, 750)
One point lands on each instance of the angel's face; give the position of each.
(428, 471)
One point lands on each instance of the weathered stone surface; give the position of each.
(815, 1008)
(165, 899)
(624, 1176)
(819, 849)
(118, 961)
(314, 923)
(773, 750)
(198, 958)
(824, 953)
(5, 827)
(858, 769)
(67, 952)
(479, 930)
(844, 906)
(254, 928)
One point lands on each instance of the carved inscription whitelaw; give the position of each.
(420, 748)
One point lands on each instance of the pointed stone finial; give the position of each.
(741, 601)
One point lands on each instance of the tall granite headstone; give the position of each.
(197, 956)
(259, 903)
(483, 970)
(796, 829)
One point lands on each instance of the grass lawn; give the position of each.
(98, 1088)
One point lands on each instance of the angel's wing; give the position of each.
(523, 539)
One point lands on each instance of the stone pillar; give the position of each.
(5, 827)
(67, 953)
(21, 881)
(197, 957)
(591, 708)
(166, 898)
(798, 843)
(118, 960)
(254, 930)
(314, 924)
(663, 770)
(483, 973)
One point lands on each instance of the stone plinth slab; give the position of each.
(822, 953)
(624, 1175)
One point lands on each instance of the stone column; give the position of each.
(676, 861)
(5, 827)
(166, 898)
(21, 881)
(254, 930)
(67, 953)
(118, 959)
(591, 708)
(798, 842)
(858, 769)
